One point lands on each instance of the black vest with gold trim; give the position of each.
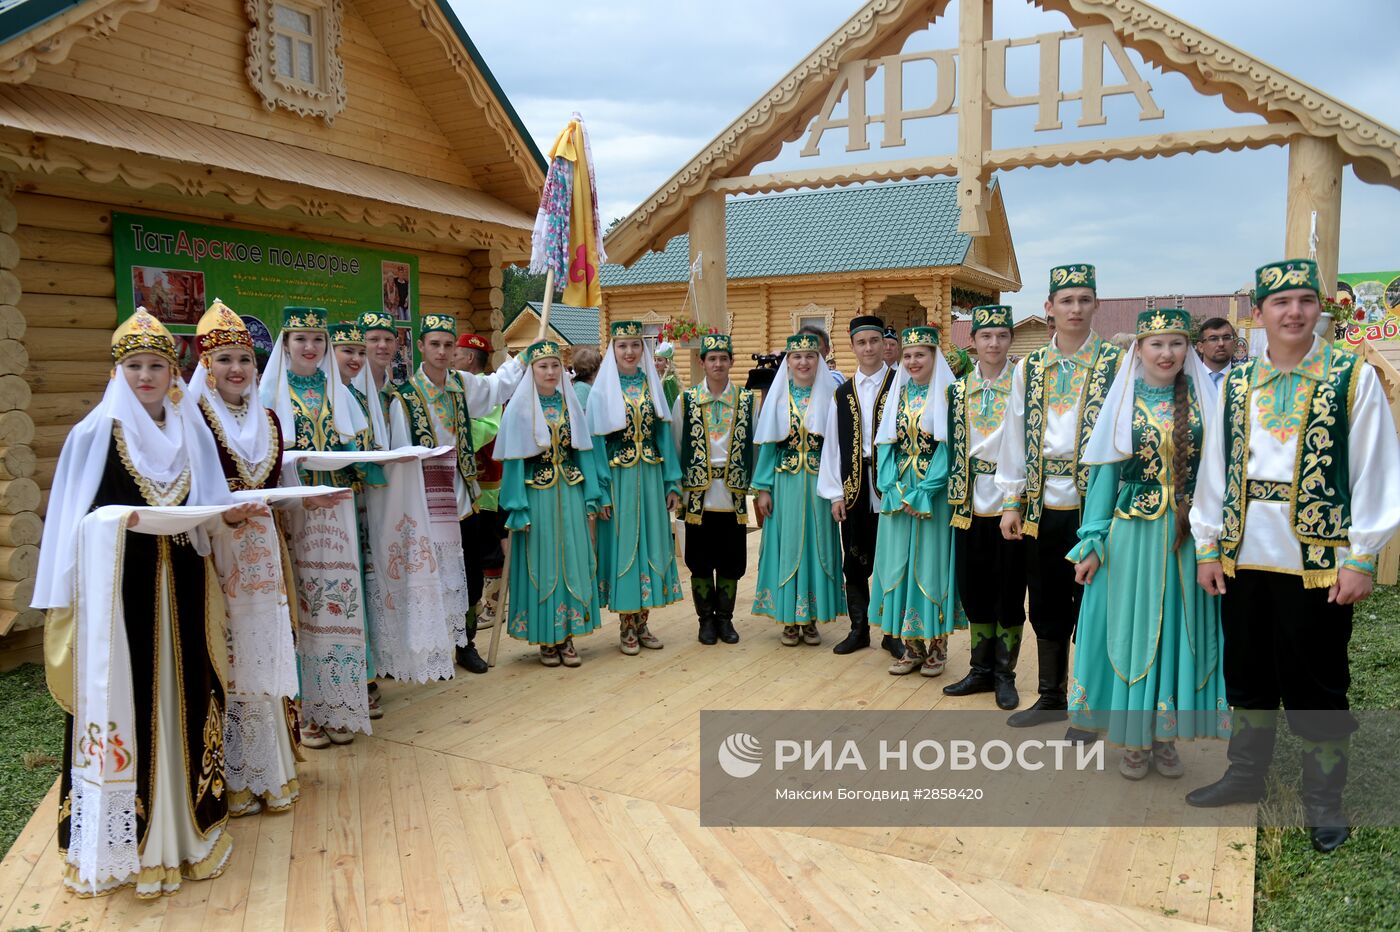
(851, 442)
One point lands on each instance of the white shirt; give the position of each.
(1061, 429)
(482, 394)
(1373, 452)
(867, 389)
(986, 497)
(717, 496)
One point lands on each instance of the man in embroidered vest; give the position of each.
(1296, 497)
(471, 356)
(439, 402)
(990, 569)
(1056, 394)
(381, 349)
(713, 426)
(847, 476)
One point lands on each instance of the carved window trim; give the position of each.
(325, 97)
(827, 314)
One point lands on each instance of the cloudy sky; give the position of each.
(656, 80)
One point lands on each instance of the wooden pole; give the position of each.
(548, 303)
(707, 243)
(501, 606)
(1315, 184)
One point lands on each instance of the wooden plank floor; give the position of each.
(558, 799)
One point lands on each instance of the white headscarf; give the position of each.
(247, 439)
(365, 383)
(276, 393)
(525, 432)
(935, 418)
(607, 411)
(156, 453)
(775, 419)
(1112, 438)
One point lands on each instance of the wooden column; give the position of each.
(1315, 184)
(707, 241)
(485, 278)
(20, 526)
(974, 115)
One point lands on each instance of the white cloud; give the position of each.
(656, 81)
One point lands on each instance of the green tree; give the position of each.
(519, 287)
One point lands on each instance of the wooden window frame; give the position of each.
(325, 97)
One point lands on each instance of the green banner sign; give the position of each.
(1374, 305)
(175, 269)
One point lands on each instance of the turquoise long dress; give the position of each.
(637, 468)
(553, 589)
(913, 577)
(799, 561)
(1148, 642)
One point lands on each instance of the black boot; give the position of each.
(1251, 751)
(858, 603)
(1324, 778)
(1007, 647)
(894, 645)
(467, 657)
(702, 593)
(726, 594)
(1052, 706)
(979, 674)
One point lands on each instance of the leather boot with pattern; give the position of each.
(979, 673)
(702, 593)
(1250, 752)
(1007, 648)
(726, 595)
(467, 657)
(912, 659)
(644, 635)
(1324, 779)
(627, 634)
(1053, 705)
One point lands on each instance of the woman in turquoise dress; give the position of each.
(302, 385)
(549, 484)
(800, 583)
(1147, 669)
(913, 576)
(639, 486)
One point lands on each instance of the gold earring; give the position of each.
(209, 379)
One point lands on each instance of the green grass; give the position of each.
(31, 747)
(1355, 886)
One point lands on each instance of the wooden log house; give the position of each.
(364, 123)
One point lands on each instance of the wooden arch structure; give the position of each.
(1322, 133)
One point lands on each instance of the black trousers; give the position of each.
(858, 533)
(1287, 644)
(481, 548)
(716, 546)
(991, 573)
(1054, 595)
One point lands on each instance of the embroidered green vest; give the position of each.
(366, 436)
(1146, 485)
(1320, 495)
(697, 472)
(1101, 373)
(636, 442)
(912, 445)
(800, 451)
(420, 422)
(561, 459)
(963, 467)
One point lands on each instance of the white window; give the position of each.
(294, 58)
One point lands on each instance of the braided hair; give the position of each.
(1181, 455)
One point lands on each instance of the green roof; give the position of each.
(578, 325)
(903, 225)
(19, 16)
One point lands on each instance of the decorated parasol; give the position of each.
(567, 243)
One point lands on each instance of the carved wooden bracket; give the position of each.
(54, 48)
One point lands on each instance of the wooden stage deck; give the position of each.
(558, 799)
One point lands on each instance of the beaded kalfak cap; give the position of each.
(919, 336)
(625, 329)
(376, 320)
(1156, 322)
(1079, 275)
(142, 333)
(991, 315)
(437, 323)
(220, 327)
(1286, 275)
(544, 349)
(716, 343)
(348, 333)
(303, 318)
(803, 343)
